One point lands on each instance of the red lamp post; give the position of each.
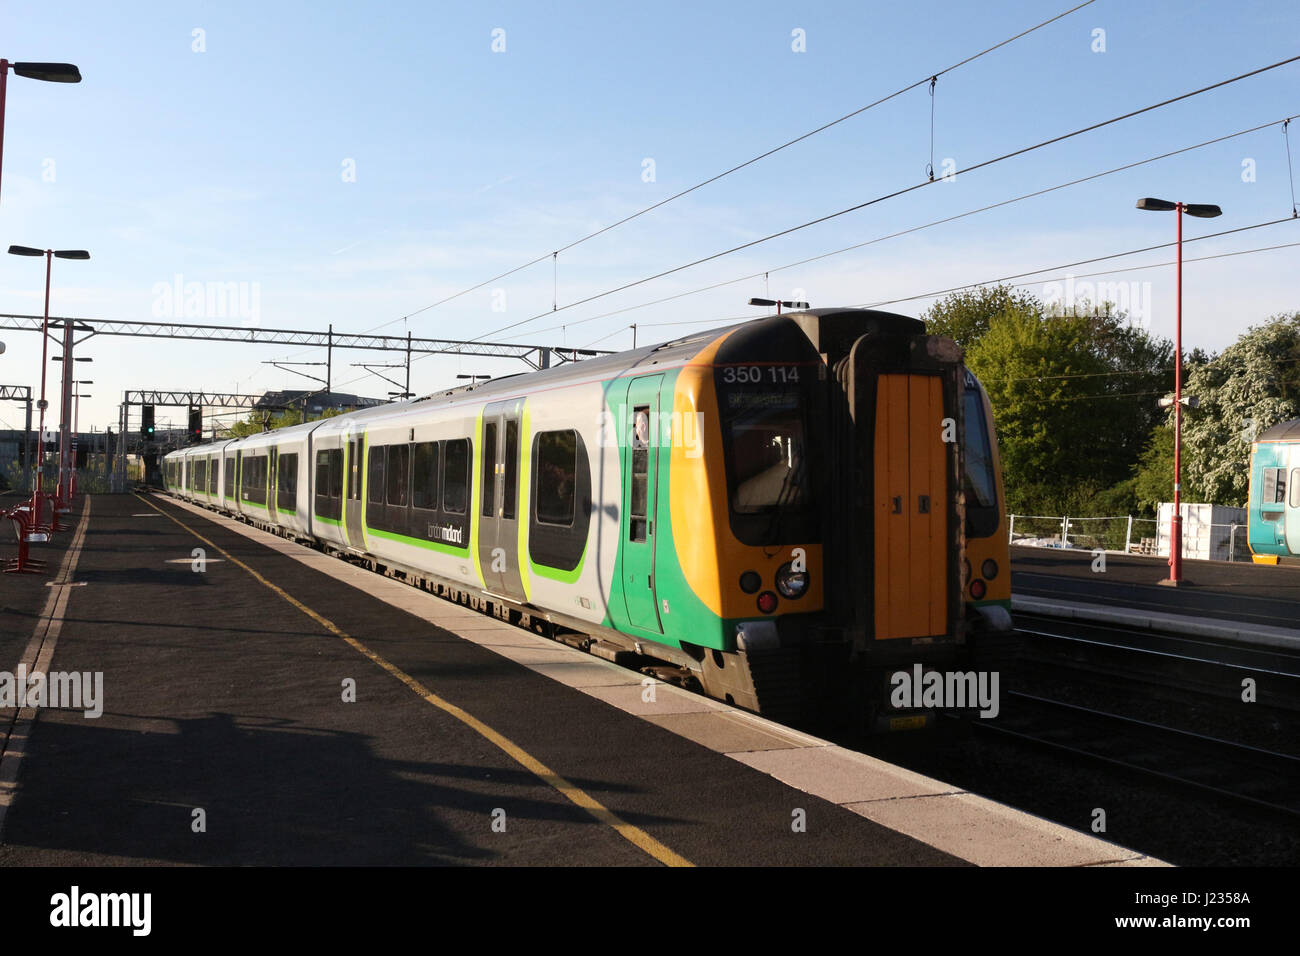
(50, 72)
(1201, 211)
(50, 255)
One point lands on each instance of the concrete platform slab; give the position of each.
(667, 699)
(726, 733)
(991, 834)
(841, 776)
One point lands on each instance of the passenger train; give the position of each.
(780, 513)
(1274, 502)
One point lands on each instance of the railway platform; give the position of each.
(263, 703)
(1233, 601)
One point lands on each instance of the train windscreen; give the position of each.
(763, 425)
(978, 480)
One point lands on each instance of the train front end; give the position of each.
(848, 437)
(1274, 500)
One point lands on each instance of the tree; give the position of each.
(965, 316)
(1252, 385)
(1154, 474)
(260, 421)
(1074, 397)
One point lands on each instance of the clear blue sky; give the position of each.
(228, 165)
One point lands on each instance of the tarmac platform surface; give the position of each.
(1240, 592)
(227, 738)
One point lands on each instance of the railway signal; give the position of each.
(146, 421)
(196, 425)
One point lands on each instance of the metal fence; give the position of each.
(1127, 534)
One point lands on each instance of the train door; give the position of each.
(911, 506)
(498, 506)
(272, 481)
(354, 449)
(639, 434)
(1292, 519)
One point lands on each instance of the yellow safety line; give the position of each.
(634, 835)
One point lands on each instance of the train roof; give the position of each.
(595, 369)
(1284, 431)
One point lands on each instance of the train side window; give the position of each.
(230, 478)
(510, 488)
(287, 482)
(375, 474)
(1294, 497)
(455, 476)
(424, 476)
(323, 479)
(399, 464)
(354, 472)
(1274, 486)
(489, 468)
(336, 472)
(557, 476)
(637, 520)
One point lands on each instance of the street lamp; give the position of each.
(50, 255)
(49, 72)
(1200, 211)
(76, 418)
(778, 303)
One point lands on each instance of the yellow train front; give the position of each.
(865, 520)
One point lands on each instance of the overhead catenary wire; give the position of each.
(913, 229)
(894, 194)
(1286, 137)
(928, 78)
(727, 172)
(721, 321)
(1040, 281)
(1068, 265)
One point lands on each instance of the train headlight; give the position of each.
(989, 568)
(791, 583)
(750, 582)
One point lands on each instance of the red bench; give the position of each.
(28, 531)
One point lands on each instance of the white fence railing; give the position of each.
(1127, 534)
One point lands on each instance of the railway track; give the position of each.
(1262, 778)
(1167, 662)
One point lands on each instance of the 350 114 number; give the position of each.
(754, 375)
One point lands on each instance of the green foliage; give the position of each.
(1252, 385)
(1153, 479)
(260, 421)
(966, 316)
(1074, 397)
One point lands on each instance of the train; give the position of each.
(780, 513)
(1273, 505)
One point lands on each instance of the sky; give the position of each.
(352, 164)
